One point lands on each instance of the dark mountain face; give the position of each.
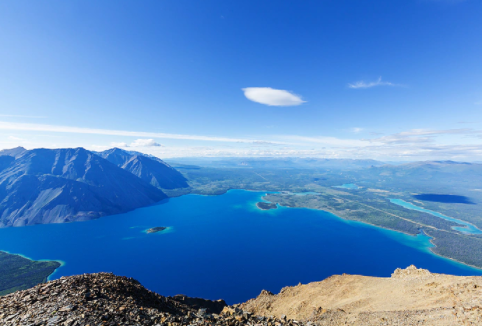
(63, 185)
(152, 170)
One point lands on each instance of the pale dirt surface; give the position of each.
(410, 297)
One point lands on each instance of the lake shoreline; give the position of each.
(204, 223)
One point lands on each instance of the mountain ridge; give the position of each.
(65, 185)
(150, 169)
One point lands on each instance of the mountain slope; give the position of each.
(64, 185)
(152, 170)
(410, 297)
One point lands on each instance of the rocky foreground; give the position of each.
(106, 299)
(410, 297)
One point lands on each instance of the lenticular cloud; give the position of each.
(271, 96)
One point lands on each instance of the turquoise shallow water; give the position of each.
(225, 247)
(348, 186)
(467, 228)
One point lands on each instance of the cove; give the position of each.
(225, 247)
(467, 228)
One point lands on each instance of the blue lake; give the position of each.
(467, 228)
(225, 247)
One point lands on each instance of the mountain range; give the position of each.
(149, 168)
(64, 185)
(277, 163)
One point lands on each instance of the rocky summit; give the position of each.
(106, 299)
(410, 297)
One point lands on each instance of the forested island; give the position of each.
(156, 229)
(266, 206)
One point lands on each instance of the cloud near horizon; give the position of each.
(363, 84)
(138, 143)
(409, 144)
(145, 143)
(272, 97)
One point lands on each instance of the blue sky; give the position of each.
(389, 80)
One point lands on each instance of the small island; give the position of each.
(266, 206)
(156, 229)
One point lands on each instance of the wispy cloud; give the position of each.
(456, 144)
(417, 136)
(79, 130)
(22, 116)
(380, 152)
(364, 84)
(327, 141)
(355, 130)
(272, 97)
(15, 138)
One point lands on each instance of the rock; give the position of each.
(106, 299)
(410, 271)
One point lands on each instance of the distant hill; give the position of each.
(277, 163)
(64, 185)
(150, 169)
(428, 177)
(430, 170)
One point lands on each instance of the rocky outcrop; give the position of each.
(106, 299)
(411, 272)
(410, 297)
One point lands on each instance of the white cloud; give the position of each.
(356, 130)
(328, 141)
(418, 132)
(363, 84)
(22, 116)
(417, 136)
(425, 144)
(272, 97)
(145, 143)
(381, 152)
(15, 138)
(79, 130)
